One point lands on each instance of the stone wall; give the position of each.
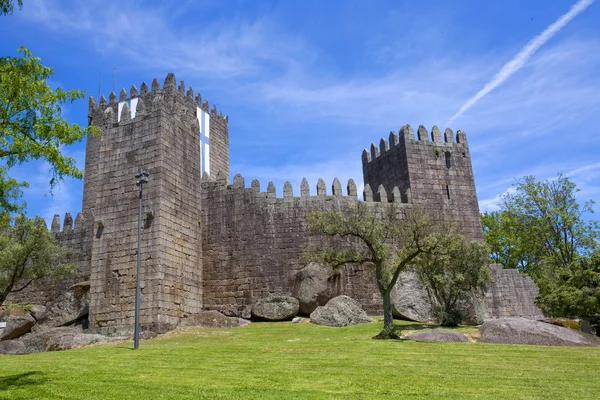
(75, 238)
(512, 294)
(254, 242)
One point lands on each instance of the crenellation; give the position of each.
(393, 139)
(288, 191)
(271, 189)
(383, 146)
(368, 193)
(321, 187)
(366, 157)
(448, 136)
(112, 98)
(125, 113)
(336, 188)
(143, 88)
(351, 188)
(436, 135)
(170, 83)
(190, 93)
(55, 227)
(304, 188)
(255, 185)
(422, 134)
(238, 181)
(102, 101)
(461, 137)
(374, 151)
(133, 91)
(92, 106)
(155, 85)
(68, 223)
(122, 95)
(381, 194)
(181, 87)
(396, 197)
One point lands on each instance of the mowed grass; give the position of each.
(301, 361)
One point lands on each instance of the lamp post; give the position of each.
(142, 177)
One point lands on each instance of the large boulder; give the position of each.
(314, 285)
(12, 347)
(438, 335)
(410, 299)
(340, 311)
(275, 308)
(17, 326)
(61, 338)
(212, 319)
(69, 308)
(526, 331)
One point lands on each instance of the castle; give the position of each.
(208, 244)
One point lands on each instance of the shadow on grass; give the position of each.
(25, 379)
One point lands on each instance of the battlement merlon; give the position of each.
(423, 136)
(114, 111)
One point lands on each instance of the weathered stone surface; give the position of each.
(17, 326)
(244, 312)
(340, 311)
(146, 335)
(62, 338)
(66, 309)
(38, 312)
(276, 308)
(311, 287)
(438, 335)
(212, 319)
(12, 347)
(525, 331)
(410, 299)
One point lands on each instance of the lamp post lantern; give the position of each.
(142, 177)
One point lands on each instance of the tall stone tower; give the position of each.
(175, 138)
(435, 174)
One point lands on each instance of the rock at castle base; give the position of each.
(244, 312)
(275, 308)
(12, 347)
(212, 319)
(438, 335)
(52, 339)
(38, 312)
(525, 331)
(311, 287)
(17, 326)
(410, 299)
(340, 311)
(71, 306)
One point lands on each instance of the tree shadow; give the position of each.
(25, 379)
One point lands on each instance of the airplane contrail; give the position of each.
(517, 62)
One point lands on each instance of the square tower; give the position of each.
(174, 137)
(435, 174)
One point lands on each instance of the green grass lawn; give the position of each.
(301, 361)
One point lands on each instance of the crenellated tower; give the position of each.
(428, 171)
(173, 136)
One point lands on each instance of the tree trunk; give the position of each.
(388, 321)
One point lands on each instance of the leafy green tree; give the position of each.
(7, 6)
(455, 270)
(387, 244)
(541, 229)
(32, 126)
(29, 253)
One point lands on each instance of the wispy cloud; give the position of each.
(518, 61)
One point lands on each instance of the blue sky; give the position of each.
(307, 85)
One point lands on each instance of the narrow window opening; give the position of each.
(448, 192)
(448, 160)
(464, 154)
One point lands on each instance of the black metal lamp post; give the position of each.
(142, 177)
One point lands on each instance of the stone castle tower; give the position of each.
(208, 244)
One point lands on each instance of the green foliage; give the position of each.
(32, 126)
(572, 291)
(541, 230)
(7, 6)
(454, 270)
(29, 253)
(301, 361)
(386, 243)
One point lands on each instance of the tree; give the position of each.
(32, 126)
(541, 229)
(29, 253)
(387, 244)
(456, 269)
(7, 6)
(573, 291)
